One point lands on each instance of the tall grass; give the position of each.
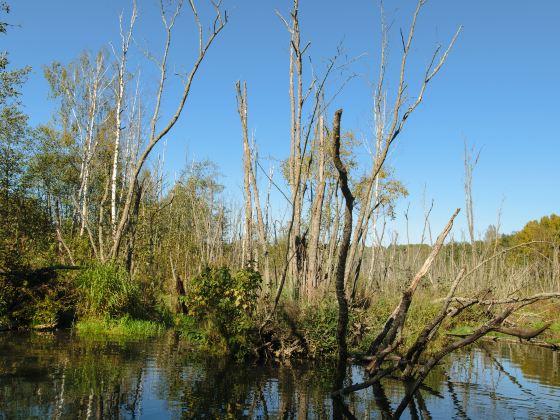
(124, 327)
(107, 290)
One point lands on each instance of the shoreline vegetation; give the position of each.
(318, 332)
(94, 236)
(300, 331)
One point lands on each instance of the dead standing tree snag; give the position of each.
(342, 325)
(247, 256)
(389, 124)
(220, 20)
(387, 357)
(251, 192)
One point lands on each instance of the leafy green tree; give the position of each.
(15, 144)
(545, 233)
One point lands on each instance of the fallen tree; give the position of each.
(386, 355)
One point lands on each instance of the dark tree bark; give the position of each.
(342, 326)
(180, 306)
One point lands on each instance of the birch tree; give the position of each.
(120, 95)
(157, 132)
(82, 87)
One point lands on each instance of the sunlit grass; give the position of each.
(124, 327)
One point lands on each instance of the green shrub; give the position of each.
(226, 304)
(318, 325)
(189, 329)
(7, 295)
(106, 290)
(35, 298)
(47, 312)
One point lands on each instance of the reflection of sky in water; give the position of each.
(58, 376)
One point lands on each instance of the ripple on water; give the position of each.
(59, 375)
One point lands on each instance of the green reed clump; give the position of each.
(107, 290)
(124, 327)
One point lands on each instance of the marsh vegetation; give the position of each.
(95, 238)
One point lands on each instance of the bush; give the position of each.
(39, 298)
(106, 290)
(318, 324)
(226, 303)
(189, 329)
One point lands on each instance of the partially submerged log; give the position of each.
(389, 336)
(525, 334)
(384, 358)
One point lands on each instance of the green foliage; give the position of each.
(20, 216)
(106, 290)
(124, 327)
(545, 232)
(47, 310)
(35, 298)
(318, 325)
(422, 311)
(189, 329)
(227, 303)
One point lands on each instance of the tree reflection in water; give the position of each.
(62, 376)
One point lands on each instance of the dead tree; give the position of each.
(470, 164)
(180, 307)
(316, 216)
(390, 336)
(247, 248)
(251, 190)
(120, 92)
(342, 325)
(389, 124)
(156, 135)
(386, 357)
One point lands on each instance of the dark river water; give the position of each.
(63, 376)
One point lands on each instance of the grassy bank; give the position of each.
(310, 331)
(124, 327)
(225, 314)
(531, 318)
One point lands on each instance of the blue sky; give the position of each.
(499, 90)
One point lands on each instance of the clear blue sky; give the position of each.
(499, 90)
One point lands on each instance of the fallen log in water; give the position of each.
(493, 338)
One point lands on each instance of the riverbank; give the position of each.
(309, 331)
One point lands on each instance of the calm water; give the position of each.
(60, 376)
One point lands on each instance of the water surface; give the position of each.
(58, 375)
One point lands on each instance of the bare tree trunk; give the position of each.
(295, 161)
(316, 214)
(247, 256)
(94, 92)
(219, 24)
(342, 325)
(470, 165)
(333, 240)
(125, 41)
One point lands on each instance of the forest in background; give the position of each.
(93, 234)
